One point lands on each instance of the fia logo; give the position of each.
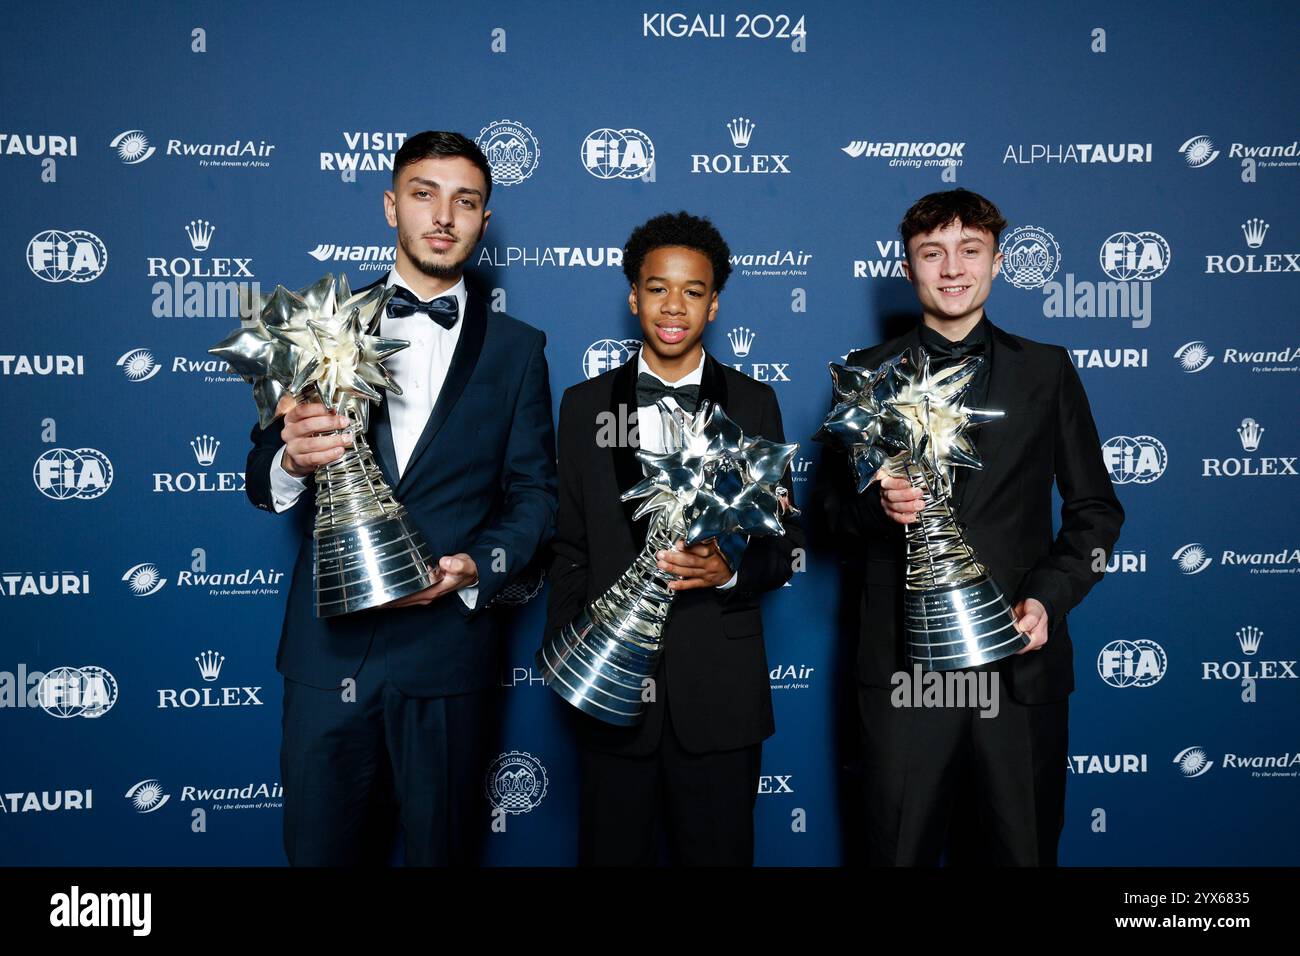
(86, 691)
(617, 153)
(1139, 663)
(63, 473)
(1136, 460)
(1135, 255)
(72, 256)
(605, 354)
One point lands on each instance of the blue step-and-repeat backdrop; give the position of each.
(155, 158)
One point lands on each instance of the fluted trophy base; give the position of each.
(369, 564)
(951, 628)
(600, 673)
(603, 661)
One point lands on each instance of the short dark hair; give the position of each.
(435, 142)
(677, 229)
(937, 210)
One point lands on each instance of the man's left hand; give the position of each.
(699, 566)
(452, 573)
(1031, 620)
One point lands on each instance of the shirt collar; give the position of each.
(980, 333)
(690, 378)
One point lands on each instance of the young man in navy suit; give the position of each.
(692, 766)
(394, 705)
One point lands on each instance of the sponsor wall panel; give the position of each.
(1154, 232)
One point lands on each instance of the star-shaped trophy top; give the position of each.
(860, 420)
(318, 336)
(904, 407)
(718, 481)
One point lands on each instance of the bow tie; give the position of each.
(649, 390)
(442, 310)
(945, 351)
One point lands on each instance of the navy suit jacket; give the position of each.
(481, 480)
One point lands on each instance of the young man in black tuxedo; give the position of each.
(693, 763)
(1002, 777)
(395, 703)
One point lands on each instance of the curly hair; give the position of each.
(677, 229)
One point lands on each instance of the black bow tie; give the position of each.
(442, 310)
(941, 350)
(649, 390)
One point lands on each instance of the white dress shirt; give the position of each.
(655, 439)
(420, 369)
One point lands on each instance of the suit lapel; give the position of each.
(627, 469)
(381, 440)
(380, 429)
(911, 342)
(463, 360)
(1008, 364)
(713, 386)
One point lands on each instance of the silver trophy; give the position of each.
(715, 483)
(316, 345)
(912, 422)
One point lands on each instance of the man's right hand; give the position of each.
(899, 499)
(305, 448)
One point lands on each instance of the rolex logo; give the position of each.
(210, 664)
(200, 232)
(1249, 638)
(741, 129)
(1254, 230)
(205, 449)
(741, 339)
(1250, 433)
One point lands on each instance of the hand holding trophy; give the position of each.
(912, 422)
(316, 345)
(714, 482)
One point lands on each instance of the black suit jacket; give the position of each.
(481, 480)
(1047, 436)
(714, 670)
